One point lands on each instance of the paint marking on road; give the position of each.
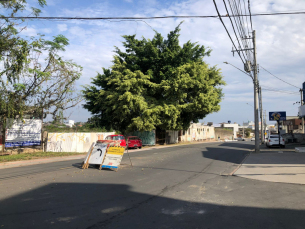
(67, 167)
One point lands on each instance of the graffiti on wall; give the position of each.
(147, 137)
(73, 142)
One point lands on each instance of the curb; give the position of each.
(234, 171)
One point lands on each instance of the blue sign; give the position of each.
(22, 143)
(277, 116)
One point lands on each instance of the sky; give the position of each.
(280, 46)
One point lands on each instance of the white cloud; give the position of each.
(62, 27)
(29, 31)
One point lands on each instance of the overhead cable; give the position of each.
(279, 78)
(227, 31)
(148, 18)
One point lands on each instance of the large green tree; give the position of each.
(34, 78)
(155, 84)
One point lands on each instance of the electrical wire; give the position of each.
(151, 18)
(233, 28)
(279, 78)
(250, 14)
(227, 31)
(236, 10)
(293, 93)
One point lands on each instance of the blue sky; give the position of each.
(280, 45)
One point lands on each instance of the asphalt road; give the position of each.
(187, 186)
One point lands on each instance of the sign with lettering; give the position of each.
(25, 132)
(277, 116)
(113, 157)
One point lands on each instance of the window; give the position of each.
(115, 138)
(108, 138)
(189, 131)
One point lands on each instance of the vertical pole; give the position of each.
(301, 91)
(261, 114)
(243, 130)
(255, 82)
(3, 134)
(278, 130)
(265, 125)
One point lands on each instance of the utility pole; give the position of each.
(261, 114)
(265, 125)
(301, 91)
(255, 82)
(243, 130)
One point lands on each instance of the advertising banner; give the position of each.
(277, 116)
(98, 154)
(113, 157)
(23, 133)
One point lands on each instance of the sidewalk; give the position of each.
(275, 165)
(14, 164)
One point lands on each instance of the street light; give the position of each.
(238, 69)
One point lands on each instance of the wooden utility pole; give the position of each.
(261, 114)
(301, 91)
(255, 82)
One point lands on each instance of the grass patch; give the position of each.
(36, 155)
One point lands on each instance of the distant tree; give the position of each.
(248, 132)
(155, 84)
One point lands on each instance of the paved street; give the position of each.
(186, 186)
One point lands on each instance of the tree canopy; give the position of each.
(155, 84)
(33, 76)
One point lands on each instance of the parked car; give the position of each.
(134, 142)
(117, 137)
(253, 139)
(273, 140)
(240, 139)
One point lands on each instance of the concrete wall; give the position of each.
(73, 142)
(298, 136)
(234, 126)
(225, 133)
(198, 132)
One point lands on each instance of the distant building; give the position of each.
(70, 123)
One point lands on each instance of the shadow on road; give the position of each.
(228, 152)
(88, 205)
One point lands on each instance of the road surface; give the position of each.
(187, 186)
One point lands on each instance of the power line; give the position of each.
(286, 92)
(250, 14)
(233, 27)
(279, 90)
(279, 78)
(152, 18)
(227, 31)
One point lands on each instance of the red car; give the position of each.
(117, 137)
(134, 142)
